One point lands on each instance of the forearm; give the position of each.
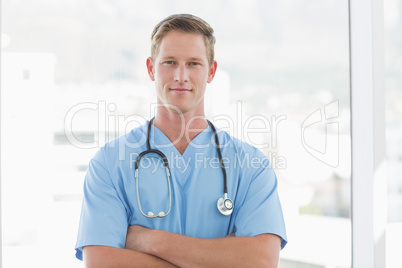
(110, 257)
(183, 251)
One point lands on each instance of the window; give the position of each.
(25, 74)
(283, 73)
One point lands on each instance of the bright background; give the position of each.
(276, 59)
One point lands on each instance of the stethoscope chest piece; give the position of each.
(225, 205)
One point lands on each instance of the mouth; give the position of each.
(180, 89)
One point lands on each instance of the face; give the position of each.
(181, 72)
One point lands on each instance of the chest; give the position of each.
(190, 196)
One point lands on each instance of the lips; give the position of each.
(180, 89)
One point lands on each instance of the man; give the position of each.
(185, 226)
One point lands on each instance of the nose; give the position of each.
(181, 74)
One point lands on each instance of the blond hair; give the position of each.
(185, 23)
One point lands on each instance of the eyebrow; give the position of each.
(173, 58)
(196, 59)
(168, 58)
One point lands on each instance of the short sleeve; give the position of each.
(261, 211)
(103, 216)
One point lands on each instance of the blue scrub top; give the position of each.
(110, 203)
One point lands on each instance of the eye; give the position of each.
(169, 62)
(194, 64)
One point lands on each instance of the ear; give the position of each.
(150, 68)
(212, 71)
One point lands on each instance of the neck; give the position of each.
(180, 128)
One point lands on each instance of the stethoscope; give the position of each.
(225, 205)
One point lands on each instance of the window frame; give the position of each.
(1, 220)
(367, 94)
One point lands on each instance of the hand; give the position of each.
(139, 238)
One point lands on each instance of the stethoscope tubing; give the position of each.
(166, 164)
(218, 148)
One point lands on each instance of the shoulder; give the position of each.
(240, 148)
(245, 160)
(120, 148)
(135, 138)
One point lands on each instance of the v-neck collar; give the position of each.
(162, 142)
(181, 165)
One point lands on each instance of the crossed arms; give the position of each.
(154, 248)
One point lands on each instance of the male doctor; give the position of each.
(156, 221)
